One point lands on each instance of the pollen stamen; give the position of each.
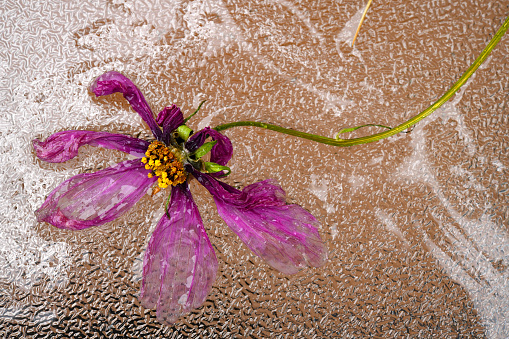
(165, 163)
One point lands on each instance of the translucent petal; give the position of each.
(285, 236)
(180, 265)
(113, 82)
(92, 199)
(63, 146)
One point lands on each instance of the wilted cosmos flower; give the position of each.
(180, 265)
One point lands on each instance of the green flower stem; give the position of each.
(199, 106)
(378, 136)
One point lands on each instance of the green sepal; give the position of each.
(351, 129)
(212, 167)
(184, 132)
(204, 149)
(166, 206)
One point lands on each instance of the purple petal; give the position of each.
(63, 146)
(113, 82)
(92, 199)
(169, 118)
(285, 236)
(221, 152)
(180, 265)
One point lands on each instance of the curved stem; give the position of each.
(362, 20)
(378, 136)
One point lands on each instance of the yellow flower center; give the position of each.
(165, 163)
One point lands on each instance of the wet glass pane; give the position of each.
(416, 225)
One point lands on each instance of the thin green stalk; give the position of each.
(378, 136)
(199, 106)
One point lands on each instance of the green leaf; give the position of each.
(212, 167)
(183, 131)
(204, 149)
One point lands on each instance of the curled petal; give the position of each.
(180, 265)
(92, 199)
(113, 82)
(285, 236)
(169, 119)
(221, 152)
(63, 146)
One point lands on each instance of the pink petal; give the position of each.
(113, 82)
(285, 236)
(170, 118)
(180, 265)
(92, 199)
(63, 146)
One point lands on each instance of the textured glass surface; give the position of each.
(416, 225)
